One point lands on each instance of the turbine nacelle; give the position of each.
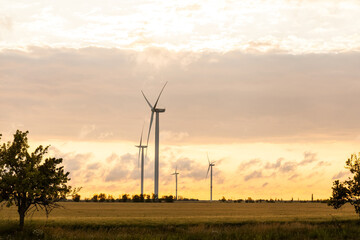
(141, 146)
(160, 110)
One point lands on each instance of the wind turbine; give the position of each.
(175, 173)
(141, 150)
(157, 111)
(211, 164)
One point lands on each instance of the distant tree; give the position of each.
(135, 198)
(169, 198)
(29, 181)
(76, 197)
(148, 198)
(349, 190)
(223, 199)
(102, 197)
(110, 198)
(153, 198)
(125, 197)
(87, 200)
(95, 198)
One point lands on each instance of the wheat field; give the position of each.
(185, 220)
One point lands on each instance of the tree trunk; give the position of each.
(22, 219)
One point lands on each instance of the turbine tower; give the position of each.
(157, 129)
(175, 173)
(211, 164)
(141, 151)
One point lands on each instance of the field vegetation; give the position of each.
(185, 220)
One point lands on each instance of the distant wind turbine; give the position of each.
(141, 150)
(211, 164)
(175, 173)
(157, 129)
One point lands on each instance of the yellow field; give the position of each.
(187, 212)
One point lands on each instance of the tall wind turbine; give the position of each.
(211, 164)
(157, 129)
(175, 173)
(141, 150)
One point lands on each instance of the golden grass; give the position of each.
(186, 212)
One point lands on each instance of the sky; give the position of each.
(268, 89)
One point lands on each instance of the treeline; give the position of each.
(250, 200)
(102, 197)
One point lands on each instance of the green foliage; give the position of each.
(349, 190)
(27, 180)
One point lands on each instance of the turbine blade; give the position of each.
(157, 100)
(151, 120)
(147, 100)
(139, 156)
(208, 171)
(176, 169)
(142, 131)
(208, 158)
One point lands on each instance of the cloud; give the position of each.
(6, 22)
(72, 161)
(341, 174)
(249, 164)
(293, 177)
(86, 130)
(123, 168)
(190, 168)
(274, 165)
(308, 158)
(323, 164)
(93, 166)
(253, 175)
(288, 167)
(94, 93)
(174, 136)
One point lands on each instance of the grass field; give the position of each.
(185, 220)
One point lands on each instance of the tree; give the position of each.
(349, 190)
(76, 197)
(94, 198)
(110, 198)
(169, 198)
(135, 198)
(27, 180)
(125, 197)
(102, 197)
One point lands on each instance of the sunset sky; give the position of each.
(269, 89)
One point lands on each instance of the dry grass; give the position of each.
(189, 212)
(186, 220)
